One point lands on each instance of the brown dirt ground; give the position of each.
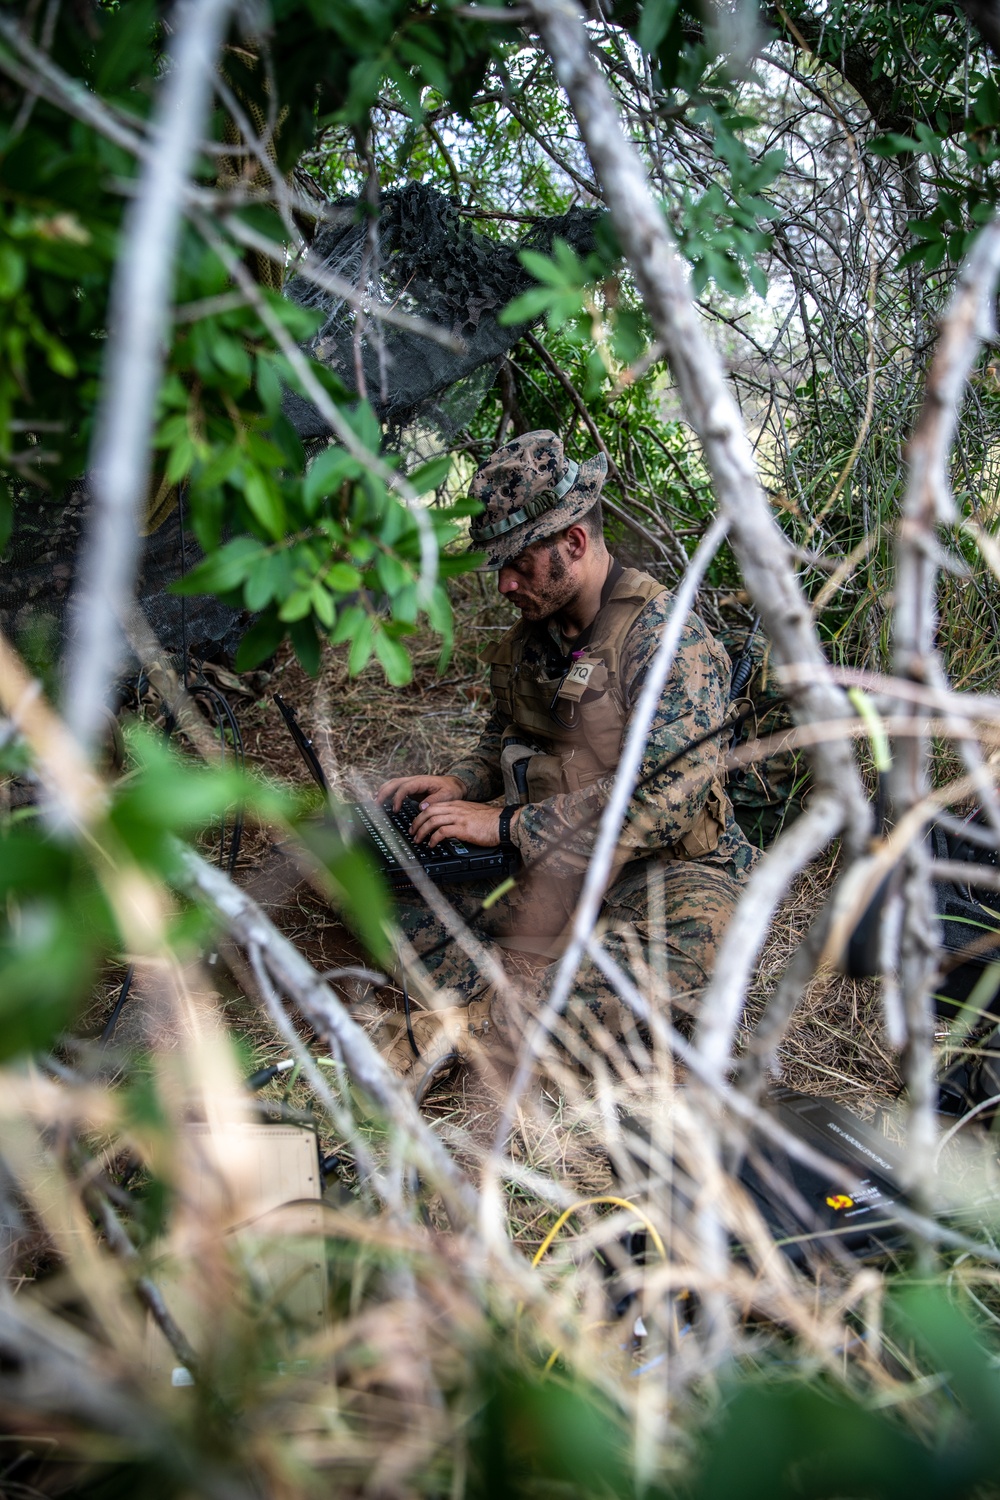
(364, 730)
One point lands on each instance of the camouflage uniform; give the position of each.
(680, 846)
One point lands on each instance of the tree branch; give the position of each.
(758, 543)
(244, 920)
(928, 503)
(139, 324)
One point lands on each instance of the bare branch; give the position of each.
(139, 323)
(606, 843)
(928, 502)
(244, 920)
(761, 549)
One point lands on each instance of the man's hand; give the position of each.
(427, 790)
(470, 822)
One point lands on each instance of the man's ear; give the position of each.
(577, 542)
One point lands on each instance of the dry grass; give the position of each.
(365, 730)
(386, 1394)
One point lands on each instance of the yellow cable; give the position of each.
(589, 1202)
(546, 1244)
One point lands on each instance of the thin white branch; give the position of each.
(606, 844)
(662, 278)
(244, 920)
(139, 329)
(928, 501)
(723, 999)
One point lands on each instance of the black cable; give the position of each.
(409, 1023)
(112, 1021)
(743, 670)
(181, 495)
(223, 709)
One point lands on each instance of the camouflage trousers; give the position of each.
(661, 921)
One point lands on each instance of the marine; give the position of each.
(564, 683)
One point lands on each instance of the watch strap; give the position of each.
(505, 841)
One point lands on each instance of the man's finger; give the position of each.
(431, 818)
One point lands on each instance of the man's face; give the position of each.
(539, 581)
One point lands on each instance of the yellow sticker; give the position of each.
(839, 1201)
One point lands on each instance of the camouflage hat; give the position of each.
(530, 490)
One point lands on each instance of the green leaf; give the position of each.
(264, 500)
(13, 269)
(547, 270)
(408, 87)
(326, 474)
(893, 144)
(395, 659)
(181, 460)
(297, 605)
(348, 623)
(526, 308)
(306, 642)
(358, 888)
(261, 641)
(342, 578)
(987, 105)
(125, 47)
(225, 570)
(232, 358)
(391, 573)
(361, 647)
(46, 967)
(264, 582)
(439, 611)
(269, 387)
(322, 605)
(431, 475)
(934, 255)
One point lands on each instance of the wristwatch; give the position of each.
(505, 841)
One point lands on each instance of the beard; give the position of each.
(549, 592)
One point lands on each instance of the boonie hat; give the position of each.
(530, 490)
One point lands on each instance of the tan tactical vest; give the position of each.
(577, 720)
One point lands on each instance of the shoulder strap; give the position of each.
(629, 597)
(634, 584)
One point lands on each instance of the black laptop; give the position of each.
(386, 833)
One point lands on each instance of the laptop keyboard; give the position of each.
(450, 862)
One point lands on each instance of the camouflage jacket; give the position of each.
(662, 812)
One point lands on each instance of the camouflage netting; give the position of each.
(39, 568)
(429, 262)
